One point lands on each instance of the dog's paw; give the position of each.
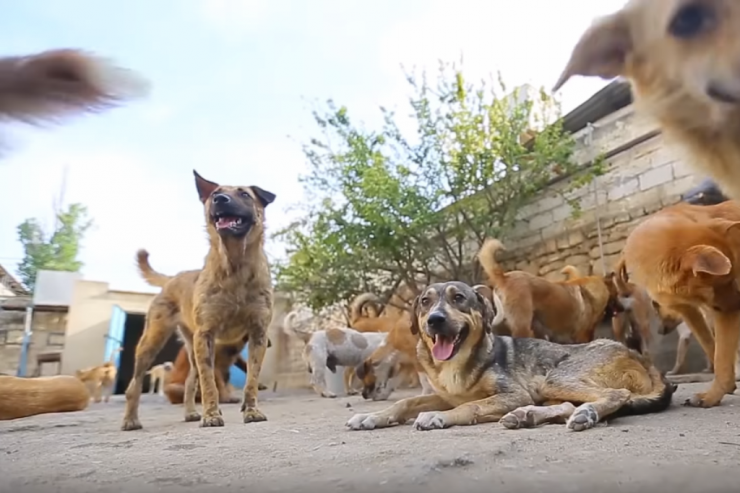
(192, 417)
(352, 392)
(672, 372)
(213, 421)
(254, 416)
(366, 422)
(433, 420)
(329, 395)
(583, 418)
(522, 417)
(703, 399)
(131, 424)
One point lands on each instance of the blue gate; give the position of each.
(236, 377)
(114, 339)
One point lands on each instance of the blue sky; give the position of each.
(233, 82)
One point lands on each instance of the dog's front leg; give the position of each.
(486, 410)
(205, 356)
(257, 348)
(399, 413)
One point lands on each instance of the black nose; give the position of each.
(436, 320)
(221, 198)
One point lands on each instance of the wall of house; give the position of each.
(47, 336)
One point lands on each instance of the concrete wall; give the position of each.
(48, 335)
(89, 317)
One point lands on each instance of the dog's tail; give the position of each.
(656, 401)
(47, 86)
(151, 276)
(291, 328)
(570, 272)
(499, 306)
(360, 303)
(621, 278)
(487, 259)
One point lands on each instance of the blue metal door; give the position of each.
(236, 377)
(114, 339)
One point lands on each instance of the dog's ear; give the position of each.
(362, 370)
(205, 187)
(415, 316)
(266, 198)
(706, 259)
(601, 51)
(723, 226)
(485, 297)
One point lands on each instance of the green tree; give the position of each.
(388, 208)
(55, 251)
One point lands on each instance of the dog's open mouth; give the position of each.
(231, 223)
(446, 347)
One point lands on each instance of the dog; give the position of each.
(226, 356)
(367, 314)
(228, 301)
(327, 349)
(688, 259)
(386, 367)
(681, 59)
(100, 379)
(158, 376)
(565, 312)
(479, 377)
(49, 86)
(23, 397)
(631, 324)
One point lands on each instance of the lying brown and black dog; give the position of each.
(523, 382)
(226, 356)
(228, 301)
(567, 311)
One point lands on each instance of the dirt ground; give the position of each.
(305, 446)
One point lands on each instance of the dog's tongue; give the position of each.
(442, 350)
(225, 222)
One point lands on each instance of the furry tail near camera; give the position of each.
(151, 276)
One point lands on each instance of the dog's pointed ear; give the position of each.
(706, 259)
(485, 298)
(415, 316)
(205, 187)
(266, 198)
(602, 50)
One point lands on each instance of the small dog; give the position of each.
(384, 370)
(681, 58)
(23, 397)
(631, 324)
(228, 301)
(567, 311)
(100, 379)
(52, 85)
(327, 349)
(158, 376)
(687, 258)
(480, 377)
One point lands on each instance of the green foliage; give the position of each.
(57, 251)
(389, 209)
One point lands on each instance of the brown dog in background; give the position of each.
(100, 379)
(682, 60)
(366, 314)
(23, 397)
(631, 324)
(228, 301)
(688, 259)
(569, 311)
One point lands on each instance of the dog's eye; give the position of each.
(691, 21)
(245, 195)
(459, 298)
(424, 301)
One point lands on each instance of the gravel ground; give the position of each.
(305, 446)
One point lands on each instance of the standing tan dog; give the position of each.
(227, 301)
(568, 311)
(688, 259)
(682, 60)
(100, 379)
(158, 376)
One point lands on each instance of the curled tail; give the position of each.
(360, 303)
(151, 276)
(656, 401)
(291, 327)
(54, 84)
(487, 259)
(570, 272)
(621, 278)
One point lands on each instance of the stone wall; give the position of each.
(48, 335)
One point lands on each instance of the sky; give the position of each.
(233, 85)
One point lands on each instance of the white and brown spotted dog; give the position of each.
(327, 349)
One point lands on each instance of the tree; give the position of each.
(388, 209)
(55, 251)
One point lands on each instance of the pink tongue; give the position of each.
(442, 350)
(224, 222)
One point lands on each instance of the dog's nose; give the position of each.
(436, 320)
(221, 198)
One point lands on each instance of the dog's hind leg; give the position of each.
(349, 375)
(681, 349)
(160, 326)
(598, 402)
(191, 381)
(533, 416)
(257, 349)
